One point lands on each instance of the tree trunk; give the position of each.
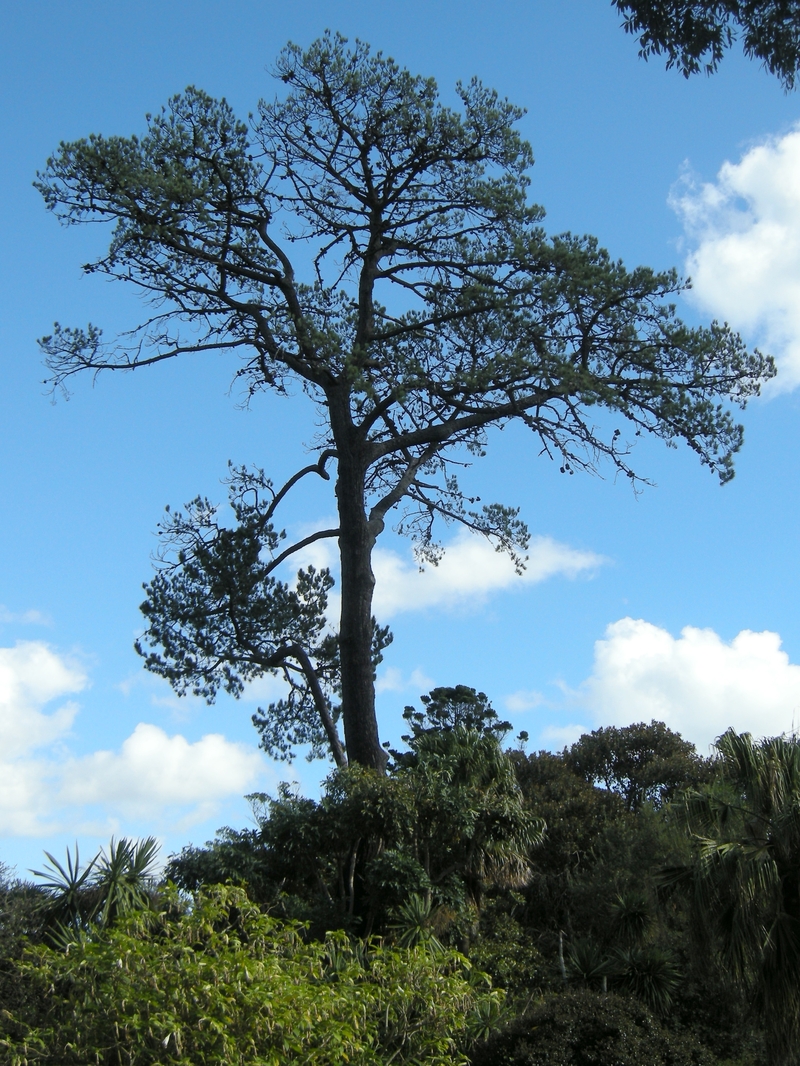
(356, 541)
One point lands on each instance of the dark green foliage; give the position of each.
(469, 816)
(505, 950)
(694, 34)
(217, 592)
(633, 915)
(743, 883)
(624, 962)
(710, 1005)
(394, 876)
(446, 824)
(649, 972)
(592, 848)
(595, 890)
(414, 922)
(642, 763)
(437, 852)
(597, 959)
(21, 924)
(584, 1028)
(124, 879)
(446, 708)
(588, 963)
(20, 911)
(222, 618)
(576, 812)
(70, 900)
(235, 855)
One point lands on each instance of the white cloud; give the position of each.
(319, 554)
(556, 738)
(468, 573)
(269, 688)
(32, 675)
(524, 700)
(390, 680)
(394, 680)
(153, 771)
(697, 683)
(22, 617)
(27, 805)
(153, 775)
(745, 229)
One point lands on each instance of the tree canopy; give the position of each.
(446, 825)
(642, 763)
(695, 34)
(378, 248)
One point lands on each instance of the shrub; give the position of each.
(225, 983)
(582, 1028)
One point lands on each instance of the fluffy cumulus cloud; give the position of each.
(153, 771)
(153, 775)
(31, 676)
(468, 573)
(697, 683)
(744, 231)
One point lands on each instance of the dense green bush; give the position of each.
(448, 823)
(583, 1028)
(225, 983)
(446, 849)
(21, 924)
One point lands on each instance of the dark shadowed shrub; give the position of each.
(584, 1028)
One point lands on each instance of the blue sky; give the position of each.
(679, 604)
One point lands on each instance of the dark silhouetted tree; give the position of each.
(695, 34)
(432, 307)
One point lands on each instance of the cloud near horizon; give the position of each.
(744, 232)
(697, 683)
(153, 771)
(152, 775)
(31, 676)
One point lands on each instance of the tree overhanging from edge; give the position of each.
(434, 307)
(694, 34)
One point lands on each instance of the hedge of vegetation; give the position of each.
(624, 903)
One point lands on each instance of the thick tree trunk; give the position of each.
(356, 541)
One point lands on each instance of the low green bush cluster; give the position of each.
(226, 983)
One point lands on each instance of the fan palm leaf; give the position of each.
(746, 876)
